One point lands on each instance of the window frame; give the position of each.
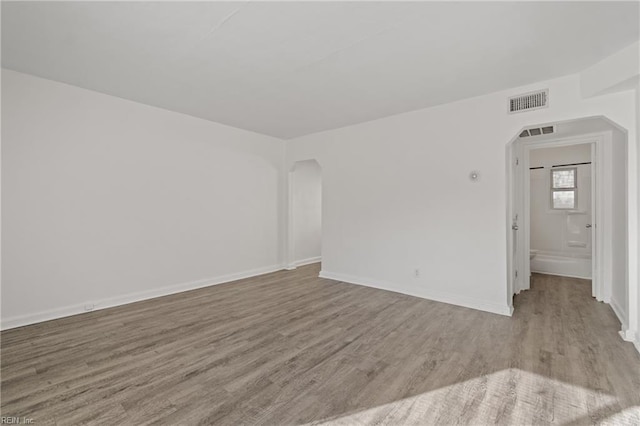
(573, 189)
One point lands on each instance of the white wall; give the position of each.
(307, 211)
(634, 314)
(547, 157)
(107, 201)
(398, 196)
(620, 237)
(621, 71)
(550, 229)
(615, 72)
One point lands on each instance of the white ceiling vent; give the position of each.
(537, 131)
(529, 101)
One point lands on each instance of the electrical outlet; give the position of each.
(416, 273)
(89, 306)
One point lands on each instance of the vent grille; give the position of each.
(529, 101)
(537, 131)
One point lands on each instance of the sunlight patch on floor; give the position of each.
(629, 416)
(509, 396)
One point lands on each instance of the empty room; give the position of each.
(320, 212)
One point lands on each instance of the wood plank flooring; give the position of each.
(292, 348)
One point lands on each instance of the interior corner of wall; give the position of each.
(615, 73)
(620, 313)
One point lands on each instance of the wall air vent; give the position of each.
(537, 131)
(529, 101)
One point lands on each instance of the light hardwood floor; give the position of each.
(291, 348)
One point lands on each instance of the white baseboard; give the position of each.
(22, 320)
(308, 261)
(560, 275)
(632, 337)
(627, 334)
(450, 298)
(303, 262)
(620, 313)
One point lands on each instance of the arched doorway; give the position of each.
(609, 230)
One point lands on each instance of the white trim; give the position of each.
(629, 336)
(290, 261)
(307, 261)
(22, 320)
(559, 275)
(599, 287)
(513, 172)
(514, 149)
(444, 297)
(622, 317)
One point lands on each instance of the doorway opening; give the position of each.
(567, 207)
(305, 214)
(560, 211)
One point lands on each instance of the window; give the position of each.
(564, 190)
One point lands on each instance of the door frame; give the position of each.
(596, 141)
(518, 190)
(290, 261)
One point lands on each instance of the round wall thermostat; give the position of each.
(474, 176)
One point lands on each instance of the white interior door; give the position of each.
(517, 276)
(591, 225)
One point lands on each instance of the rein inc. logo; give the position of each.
(16, 420)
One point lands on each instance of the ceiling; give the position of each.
(287, 69)
(574, 128)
